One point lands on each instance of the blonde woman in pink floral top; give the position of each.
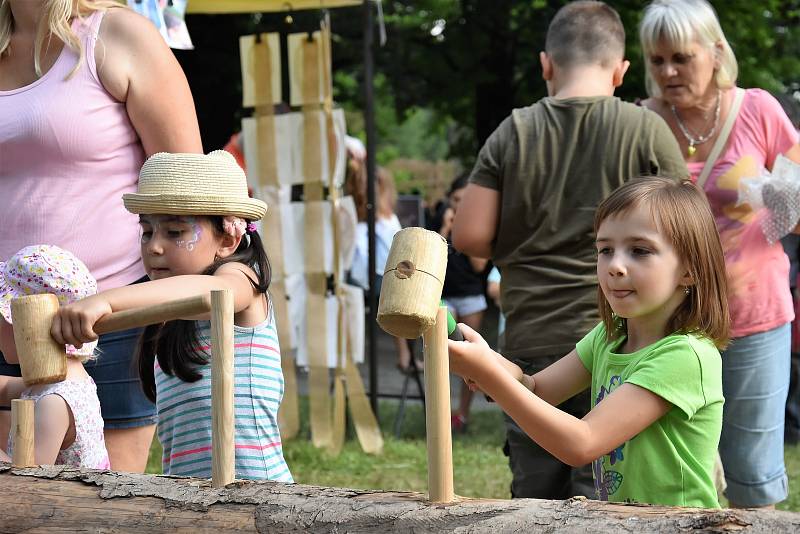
(69, 426)
(691, 79)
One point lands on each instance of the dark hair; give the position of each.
(461, 181)
(681, 211)
(175, 343)
(585, 33)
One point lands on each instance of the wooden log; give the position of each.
(222, 416)
(438, 435)
(22, 428)
(66, 499)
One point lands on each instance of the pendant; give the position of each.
(691, 150)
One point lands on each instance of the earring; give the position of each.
(687, 290)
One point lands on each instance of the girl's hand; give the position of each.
(471, 357)
(74, 323)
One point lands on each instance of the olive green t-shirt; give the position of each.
(552, 163)
(671, 461)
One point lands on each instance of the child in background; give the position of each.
(653, 363)
(198, 235)
(386, 226)
(463, 291)
(68, 425)
(493, 292)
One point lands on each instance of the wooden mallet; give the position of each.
(409, 307)
(43, 361)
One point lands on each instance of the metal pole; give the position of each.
(369, 124)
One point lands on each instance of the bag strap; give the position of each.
(723, 137)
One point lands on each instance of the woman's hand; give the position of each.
(74, 323)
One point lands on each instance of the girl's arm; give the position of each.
(478, 264)
(53, 420)
(558, 382)
(11, 387)
(623, 414)
(74, 323)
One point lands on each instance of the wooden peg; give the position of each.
(437, 411)
(223, 460)
(22, 425)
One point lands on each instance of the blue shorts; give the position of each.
(462, 306)
(755, 382)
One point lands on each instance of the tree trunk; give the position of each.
(60, 498)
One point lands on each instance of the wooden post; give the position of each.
(22, 424)
(41, 359)
(222, 440)
(437, 411)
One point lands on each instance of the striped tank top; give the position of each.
(184, 409)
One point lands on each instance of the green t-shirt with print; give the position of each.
(671, 461)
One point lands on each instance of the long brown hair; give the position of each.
(681, 212)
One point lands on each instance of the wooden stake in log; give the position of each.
(22, 425)
(409, 307)
(437, 411)
(222, 418)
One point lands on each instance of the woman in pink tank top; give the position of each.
(79, 113)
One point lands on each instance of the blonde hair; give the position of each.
(681, 212)
(56, 21)
(679, 23)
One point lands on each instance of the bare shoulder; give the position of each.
(235, 269)
(52, 408)
(655, 104)
(123, 25)
(125, 40)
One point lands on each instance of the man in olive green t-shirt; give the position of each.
(530, 208)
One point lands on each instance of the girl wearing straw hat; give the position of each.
(198, 234)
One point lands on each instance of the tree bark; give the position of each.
(60, 499)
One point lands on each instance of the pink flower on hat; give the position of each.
(41, 269)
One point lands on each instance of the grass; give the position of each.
(479, 467)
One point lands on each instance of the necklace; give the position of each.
(700, 139)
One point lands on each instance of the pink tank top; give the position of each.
(68, 152)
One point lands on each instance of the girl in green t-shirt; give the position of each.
(653, 363)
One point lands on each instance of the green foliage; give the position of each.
(467, 63)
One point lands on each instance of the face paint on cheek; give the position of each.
(196, 233)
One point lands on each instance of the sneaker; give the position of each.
(458, 423)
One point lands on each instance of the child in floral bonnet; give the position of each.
(69, 426)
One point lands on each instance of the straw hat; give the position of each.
(193, 184)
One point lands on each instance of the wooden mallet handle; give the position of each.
(158, 313)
